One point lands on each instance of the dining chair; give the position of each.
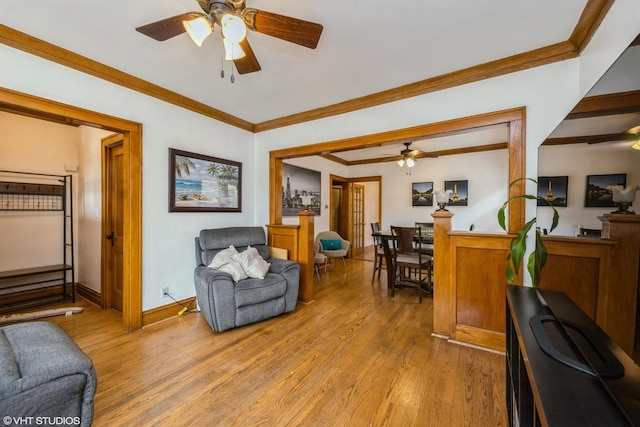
(410, 262)
(379, 250)
(426, 234)
(590, 232)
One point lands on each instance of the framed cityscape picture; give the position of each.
(300, 190)
(554, 189)
(422, 194)
(459, 192)
(199, 183)
(597, 195)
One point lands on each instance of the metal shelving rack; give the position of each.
(39, 285)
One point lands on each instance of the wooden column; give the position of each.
(623, 296)
(306, 256)
(441, 268)
(298, 241)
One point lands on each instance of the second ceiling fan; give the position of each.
(234, 18)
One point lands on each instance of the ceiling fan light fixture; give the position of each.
(232, 50)
(233, 28)
(411, 162)
(400, 162)
(198, 29)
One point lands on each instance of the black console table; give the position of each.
(562, 369)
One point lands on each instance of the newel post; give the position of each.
(306, 256)
(442, 288)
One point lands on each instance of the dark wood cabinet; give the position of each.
(562, 369)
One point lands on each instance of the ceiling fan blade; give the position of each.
(249, 62)
(167, 28)
(303, 33)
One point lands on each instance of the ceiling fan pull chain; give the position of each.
(222, 66)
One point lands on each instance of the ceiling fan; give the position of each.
(233, 17)
(408, 156)
(632, 135)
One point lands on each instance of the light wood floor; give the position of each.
(353, 357)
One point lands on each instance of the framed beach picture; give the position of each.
(554, 190)
(459, 192)
(422, 194)
(199, 183)
(597, 195)
(300, 190)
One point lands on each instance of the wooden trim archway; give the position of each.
(513, 118)
(32, 106)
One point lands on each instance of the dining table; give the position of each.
(387, 238)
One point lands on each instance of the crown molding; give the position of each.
(589, 21)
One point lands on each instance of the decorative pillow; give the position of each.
(234, 269)
(252, 263)
(223, 257)
(330, 244)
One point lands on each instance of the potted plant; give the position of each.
(518, 246)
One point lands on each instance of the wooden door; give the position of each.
(114, 214)
(357, 215)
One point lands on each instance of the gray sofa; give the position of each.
(44, 375)
(226, 304)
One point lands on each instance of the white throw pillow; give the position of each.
(223, 257)
(252, 263)
(234, 269)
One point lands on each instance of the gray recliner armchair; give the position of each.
(44, 374)
(225, 303)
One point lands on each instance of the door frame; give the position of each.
(514, 118)
(32, 106)
(108, 143)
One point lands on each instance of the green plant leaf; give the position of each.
(537, 260)
(518, 245)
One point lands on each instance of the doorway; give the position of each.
(340, 206)
(336, 208)
(32, 106)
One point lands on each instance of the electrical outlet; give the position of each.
(165, 292)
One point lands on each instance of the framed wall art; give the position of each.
(300, 190)
(422, 194)
(554, 189)
(200, 183)
(459, 192)
(597, 195)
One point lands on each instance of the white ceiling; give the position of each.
(366, 47)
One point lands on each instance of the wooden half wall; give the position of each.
(469, 292)
(298, 241)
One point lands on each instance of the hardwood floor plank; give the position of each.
(355, 356)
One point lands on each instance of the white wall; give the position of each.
(578, 161)
(33, 239)
(486, 174)
(167, 238)
(89, 206)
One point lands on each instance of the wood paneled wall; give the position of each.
(298, 241)
(469, 291)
